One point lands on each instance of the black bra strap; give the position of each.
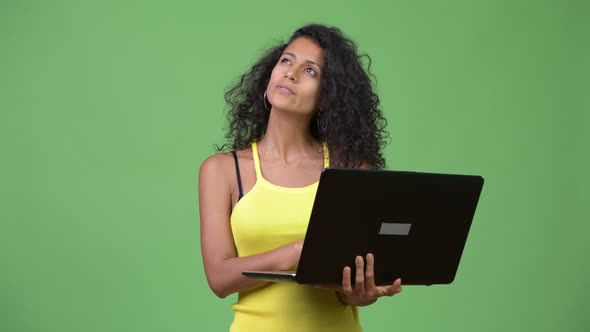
(238, 173)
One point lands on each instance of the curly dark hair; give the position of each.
(351, 121)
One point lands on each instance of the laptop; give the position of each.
(415, 224)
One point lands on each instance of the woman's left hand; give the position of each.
(365, 291)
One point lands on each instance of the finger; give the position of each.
(393, 289)
(359, 285)
(399, 285)
(346, 286)
(370, 274)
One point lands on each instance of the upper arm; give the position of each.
(217, 242)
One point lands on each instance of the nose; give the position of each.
(290, 76)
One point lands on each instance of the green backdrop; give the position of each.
(109, 107)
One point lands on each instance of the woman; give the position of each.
(306, 105)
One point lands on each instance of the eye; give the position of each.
(285, 60)
(311, 71)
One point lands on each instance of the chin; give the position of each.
(282, 105)
(285, 106)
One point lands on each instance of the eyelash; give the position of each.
(312, 73)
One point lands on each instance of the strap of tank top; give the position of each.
(241, 191)
(256, 160)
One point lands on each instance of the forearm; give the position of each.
(225, 277)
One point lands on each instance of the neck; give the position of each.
(287, 136)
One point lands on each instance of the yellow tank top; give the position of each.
(268, 217)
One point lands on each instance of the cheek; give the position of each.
(314, 93)
(275, 74)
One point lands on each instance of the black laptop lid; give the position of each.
(416, 225)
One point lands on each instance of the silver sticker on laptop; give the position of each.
(394, 229)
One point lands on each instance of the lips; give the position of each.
(285, 89)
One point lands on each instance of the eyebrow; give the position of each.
(308, 61)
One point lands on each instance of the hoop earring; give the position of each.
(324, 128)
(264, 100)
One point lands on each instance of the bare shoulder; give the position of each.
(222, 164)
(216, 166)
(217, 175)
(365, 165)
(362, 165)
